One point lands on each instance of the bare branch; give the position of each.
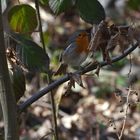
(66, 77)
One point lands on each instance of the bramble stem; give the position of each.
(54, 118)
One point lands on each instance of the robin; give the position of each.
(76, 52)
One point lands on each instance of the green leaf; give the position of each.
(18, 82)
(22, 18)
(59, 6)
(91, 11)
(134, 4)
(31, 55)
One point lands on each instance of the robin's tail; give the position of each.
(62, 69)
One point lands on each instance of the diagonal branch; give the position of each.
(65, 78)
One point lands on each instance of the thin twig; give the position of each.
(65, 78)
(53, 110)
(46, 135)
(130, 62)
(54, 118)
(40, 25)
(125, 116)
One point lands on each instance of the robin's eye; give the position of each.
(79, 35)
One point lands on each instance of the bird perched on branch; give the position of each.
(76, 52)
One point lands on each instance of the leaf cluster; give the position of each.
(107, 37)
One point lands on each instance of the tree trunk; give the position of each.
(7, 98)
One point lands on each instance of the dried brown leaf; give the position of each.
(74, 78)
(122, 36)
(77, 79)
(100, 38)
(13, 59)
(71, 84)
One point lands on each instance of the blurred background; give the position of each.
(97, 111)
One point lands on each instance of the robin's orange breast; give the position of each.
(82, 42)
(77, 52)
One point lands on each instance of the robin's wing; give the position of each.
(70, 49)
(67, 51)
